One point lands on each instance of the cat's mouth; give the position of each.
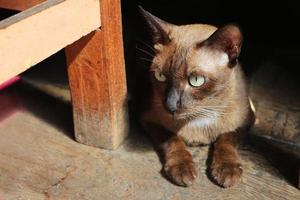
(180, 115)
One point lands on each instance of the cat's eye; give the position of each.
(196, 81)
(159, 76)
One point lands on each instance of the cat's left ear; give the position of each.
(228, 39)
(159, 28)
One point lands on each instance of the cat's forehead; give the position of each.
(208, 60)
(187, 60)
(182, 62)
(187, 35)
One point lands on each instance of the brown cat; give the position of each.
(198, 96)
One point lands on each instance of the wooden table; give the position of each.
(94, 53)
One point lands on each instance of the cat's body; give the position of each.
(198, 95)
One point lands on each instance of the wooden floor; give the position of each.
(40, 160)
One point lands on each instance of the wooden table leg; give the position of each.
(97, 80)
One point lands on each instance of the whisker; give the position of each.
(144, 51)
(197, 113)
(147, 45)
(146, 59)
(205, 112)
(223, 106)
(150, 61)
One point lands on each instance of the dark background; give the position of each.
(275, 23)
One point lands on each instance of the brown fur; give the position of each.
(209, 52)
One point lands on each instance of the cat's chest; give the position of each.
(201, 123)
(199, 131)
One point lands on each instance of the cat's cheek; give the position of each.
(198, 95)
(205, 91)
(160, 90)
(187, 100)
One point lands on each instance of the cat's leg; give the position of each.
(178, 163)
(226, 168)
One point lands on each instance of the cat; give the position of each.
(198, 95)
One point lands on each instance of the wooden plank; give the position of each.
(19, 4)
(97, 81)
(35, 34)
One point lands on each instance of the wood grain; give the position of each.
(35, 34)
(97, 81)
(19, 4)
(39, 161)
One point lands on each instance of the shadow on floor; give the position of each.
(48, 108)
(286, 162)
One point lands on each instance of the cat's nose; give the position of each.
(173, 101)
(172, 107)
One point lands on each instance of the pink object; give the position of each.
(9, 82)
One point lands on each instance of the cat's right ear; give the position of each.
(159, 28)
(228, 39)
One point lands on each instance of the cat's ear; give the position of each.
(159, 28)
(228, 39)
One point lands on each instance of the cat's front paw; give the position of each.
(182, 173)
(226, 174)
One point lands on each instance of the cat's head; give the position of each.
(193, 64)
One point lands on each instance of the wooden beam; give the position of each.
(35, 34)
(97, 81)
(19, 5)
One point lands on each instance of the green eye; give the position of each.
(159, 76)
(196, 81)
